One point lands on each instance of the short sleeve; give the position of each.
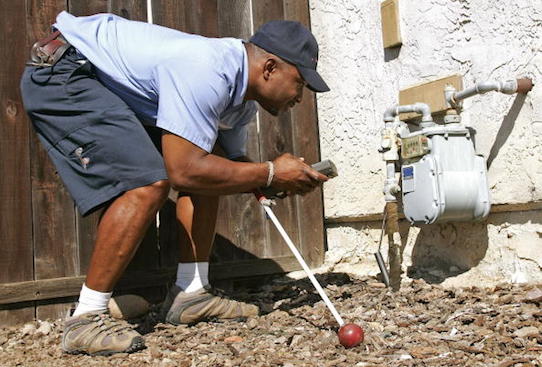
(190, 103)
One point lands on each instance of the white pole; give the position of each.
(303, 264)
(149, 11)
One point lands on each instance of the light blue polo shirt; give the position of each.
(189, 85)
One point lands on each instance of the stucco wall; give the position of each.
(479, 39)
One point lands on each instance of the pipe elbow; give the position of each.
(391, 113)
(424, 110)
(508, 87)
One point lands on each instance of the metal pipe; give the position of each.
(382, 267)
(394, 244)
(523, 85)
(418, 107)
(379, 259)
(391, 187)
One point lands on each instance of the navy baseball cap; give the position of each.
(294, 43)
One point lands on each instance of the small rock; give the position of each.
(506, 299)
(252, 323)
(526, 332)
(534, 295)
(377, 285)
(296, 340)
(156, 353)
(422, 352)
(233, 339)
(28, 329)
(45, 328)
(375, 326)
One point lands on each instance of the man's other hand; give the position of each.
(294, 176)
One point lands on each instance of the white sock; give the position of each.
(192, 277)
(91, 300)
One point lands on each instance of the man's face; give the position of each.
(283, 87)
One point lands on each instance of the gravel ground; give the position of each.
(421, 325)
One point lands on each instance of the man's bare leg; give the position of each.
(120, 231)
(188, 301)
(197, 216)
(90, 330)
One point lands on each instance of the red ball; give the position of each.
(351, 335)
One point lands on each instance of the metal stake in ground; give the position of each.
(262, 199)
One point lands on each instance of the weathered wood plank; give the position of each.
(15, 186)
(241, 223)
(53, 212)
(310, 219)
(255, 267)
(169, 13)
(70, 286)
(202, 17)
(391, 31)
(88, 7)
(234, 18)
(129, 9)
(431, 93)
(275, 139)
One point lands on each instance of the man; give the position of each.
(88, 100)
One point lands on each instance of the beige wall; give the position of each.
(481, 40)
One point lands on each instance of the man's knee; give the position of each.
(155, 192)
(160, 189)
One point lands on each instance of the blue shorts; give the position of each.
(97, 144)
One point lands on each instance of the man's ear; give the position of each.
(269, 67)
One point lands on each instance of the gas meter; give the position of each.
(442, 178)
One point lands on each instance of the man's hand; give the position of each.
(294, 177)
(191, 169)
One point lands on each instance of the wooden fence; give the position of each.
(45, 245)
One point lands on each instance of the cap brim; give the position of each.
(313, 79)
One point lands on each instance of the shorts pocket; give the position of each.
(87, 160)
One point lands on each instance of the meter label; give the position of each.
(408, 172)
(409, 183)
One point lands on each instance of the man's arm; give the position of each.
(192, 169)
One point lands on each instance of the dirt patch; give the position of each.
(422, 325)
